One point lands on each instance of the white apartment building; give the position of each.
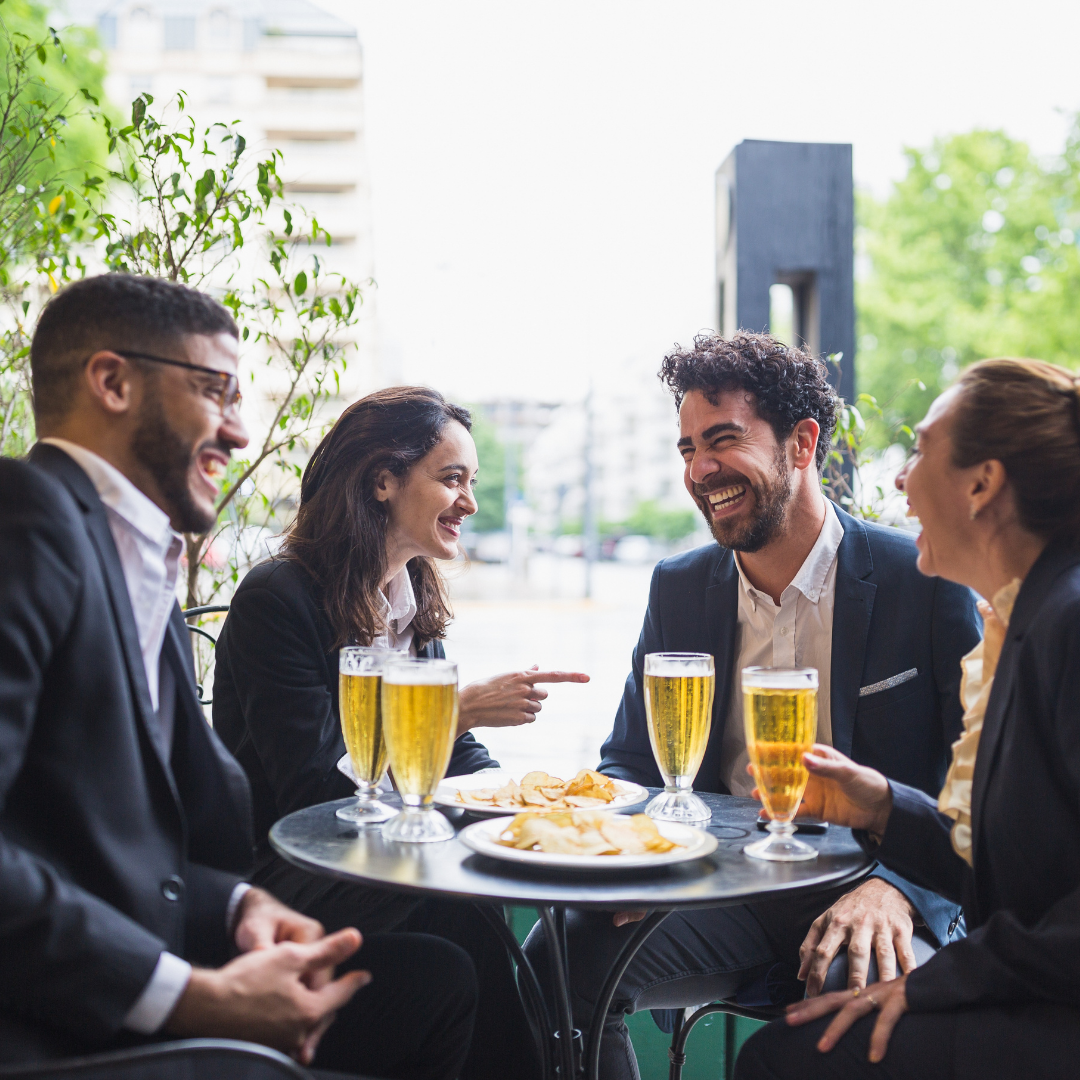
(292, 75)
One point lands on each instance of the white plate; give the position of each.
(697, 843)
(627, 794)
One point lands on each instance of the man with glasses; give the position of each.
(125, 825)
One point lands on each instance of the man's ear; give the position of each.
(108, 379)
(805, 440)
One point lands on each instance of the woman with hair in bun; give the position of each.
(383, 497)
(995, 482)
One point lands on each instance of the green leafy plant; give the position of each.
(192, 205)
(854, 446)
(50, 85)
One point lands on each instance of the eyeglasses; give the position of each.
(228, 385)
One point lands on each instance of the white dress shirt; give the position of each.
(798, 633)
(149, 553)
(399, 610)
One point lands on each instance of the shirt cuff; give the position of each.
(160, 995)
(238, 894)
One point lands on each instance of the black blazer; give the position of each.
(1022, 898)
(111, 849)
(888, 619)
(276, 697)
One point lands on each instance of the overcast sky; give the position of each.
(543, 172)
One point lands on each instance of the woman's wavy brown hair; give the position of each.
(339, 535)
(1025, 414)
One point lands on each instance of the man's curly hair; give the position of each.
(787, 383)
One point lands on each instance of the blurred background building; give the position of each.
(292, 75)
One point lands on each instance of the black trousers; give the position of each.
(1038, 1041)
(690, 959)
(502, 1045)
(414, 1020)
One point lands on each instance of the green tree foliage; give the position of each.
(972, 255)
(490, 488)
(49, 87)
(50, 84)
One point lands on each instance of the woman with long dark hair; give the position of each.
(995, 482)
(383, 497)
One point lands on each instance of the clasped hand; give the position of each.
(510, 699)
(280, 992)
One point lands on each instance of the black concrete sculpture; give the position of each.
(785, 214)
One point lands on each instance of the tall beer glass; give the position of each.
(360, 707)
(420, 715)
(679, 691)
(780, 714)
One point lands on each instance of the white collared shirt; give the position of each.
(798, 633)
(399, 610)
(149, 552)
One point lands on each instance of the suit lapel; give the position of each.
(66, 469)
(722, 620)
(853, 607)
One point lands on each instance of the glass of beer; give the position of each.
(360, 708)
(780, 715)
(679, 691)
(420, 715)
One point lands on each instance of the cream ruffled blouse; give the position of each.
(978, 677)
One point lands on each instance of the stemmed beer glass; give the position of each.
(420, 715)
(360, 708)
(780, 715)
(679, 690)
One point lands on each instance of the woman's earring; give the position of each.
(974, 513)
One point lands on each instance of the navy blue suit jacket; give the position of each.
(888, 619)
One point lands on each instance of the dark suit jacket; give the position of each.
(111, 850)
(276, 697)
(1022, 899)
(887, 619)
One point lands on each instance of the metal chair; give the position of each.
(206, 1059)
(191, 613)
(685, 1024)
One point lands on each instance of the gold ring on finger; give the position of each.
(856, 992)
(873, 1001)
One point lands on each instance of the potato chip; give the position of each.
(541, 792)
(584, 832)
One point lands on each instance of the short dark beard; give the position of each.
(168, 457)
(771, 501)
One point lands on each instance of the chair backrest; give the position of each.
(194, 612)
(186, 1059)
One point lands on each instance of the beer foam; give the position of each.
(420, 672)
(678, 665)
(770, 678)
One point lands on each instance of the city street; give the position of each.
(500, 624)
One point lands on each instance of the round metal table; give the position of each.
(316, 840)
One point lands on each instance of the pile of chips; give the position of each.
(585, 832)
(543, 793)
